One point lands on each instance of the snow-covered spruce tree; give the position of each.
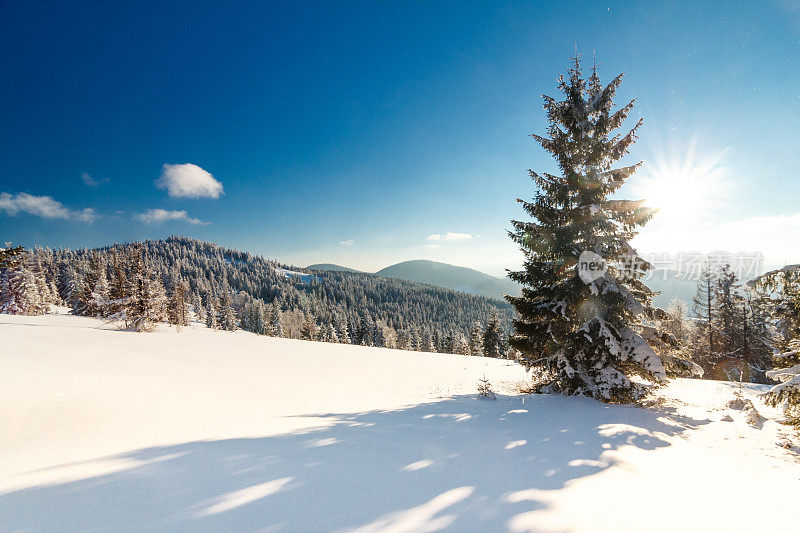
(703, 308)
(476, 340)
(19, 292)
(227, 316)
(146, 304)
(493, 338)
(212, 315)
(276, 323)
(99, 302)
(178, 304)
(584, 335)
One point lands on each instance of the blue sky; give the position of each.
(356, 132)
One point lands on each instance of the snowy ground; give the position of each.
(204, 430)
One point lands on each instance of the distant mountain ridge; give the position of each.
(667, 283)
(453, 277)
(330, 267)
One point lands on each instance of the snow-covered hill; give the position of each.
(208, 430)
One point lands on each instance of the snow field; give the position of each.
(210, 430)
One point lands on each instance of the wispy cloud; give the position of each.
(448, 237)
(431, 245)
(348, 242)
(92, 182)
(42, 206)
(188, 181)
(158, 216)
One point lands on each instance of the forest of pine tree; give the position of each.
(179, 280)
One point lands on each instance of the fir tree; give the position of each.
(67, 284)
(725, 307)
(99, 303)
(227, 316)
(476, 340)
(308, 331)
(449, 343)
(145, 307)
(120, 292)
(19, 292)
(82, 295)
(276, 323)
(212, 316)
(492, 338)
(178, 305)
(584, 333)
(702, 308)
(342, 331)
(415, 343)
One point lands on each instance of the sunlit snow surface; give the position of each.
(210, 430)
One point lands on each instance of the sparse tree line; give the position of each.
(181, 280)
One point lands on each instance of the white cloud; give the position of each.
(92, 182)
(431, 245)
(448, 237)
(157, 216)
(348, 242)
(87, 215)
(42, 206)
(188, 181)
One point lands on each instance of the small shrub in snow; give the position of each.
(485, 389)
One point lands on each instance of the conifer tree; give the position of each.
(703, 308)
(67, 284)
(449, 343)
(19, 292)
(308, 331)
(227, 316)
(725, 309)
(342, 331)
(377, 335)
(583, 330)
(99, 303)
(120, 292)
(276, 324)
(492, 338)
(212, 316)
(82, 295)
(476, 340)
(330, 333)
(178, 305)
(415, 342)
(145, 307)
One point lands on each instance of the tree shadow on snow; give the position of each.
(453, 463)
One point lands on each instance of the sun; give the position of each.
(683, 188)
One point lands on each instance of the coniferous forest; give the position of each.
(179, 279)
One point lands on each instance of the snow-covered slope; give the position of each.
(203, 429)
